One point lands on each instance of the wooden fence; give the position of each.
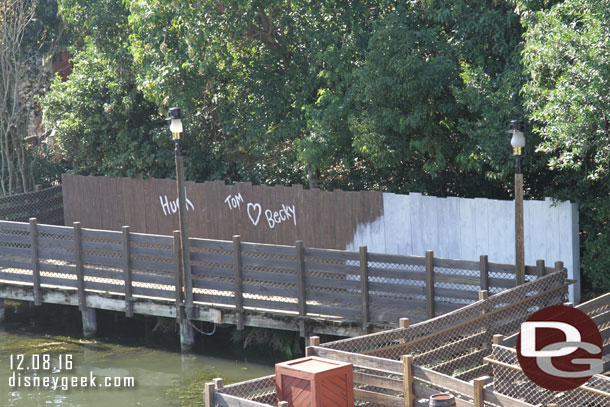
(305, 284)
(44, 204)
(404, 366)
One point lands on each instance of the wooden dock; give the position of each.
(313, 291)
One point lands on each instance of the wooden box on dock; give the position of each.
(315, 382)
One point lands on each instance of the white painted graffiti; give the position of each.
(276, 217)
(255, 210)
(171, 207)
(234, 201)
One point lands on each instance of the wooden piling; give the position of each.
(89, 323)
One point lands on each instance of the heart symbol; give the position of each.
(255, 207)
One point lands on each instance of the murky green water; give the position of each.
(161, 375)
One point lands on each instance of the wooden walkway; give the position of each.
(314, 291)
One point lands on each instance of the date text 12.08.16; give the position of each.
(41, 361)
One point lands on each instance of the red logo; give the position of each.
(560, 348)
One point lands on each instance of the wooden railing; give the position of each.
(305, 283)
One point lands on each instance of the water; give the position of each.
(162, 376)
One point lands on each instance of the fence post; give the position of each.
(407, 366)
(484, 271)
(364, 288)
(35, 262)
(483, 295)
(497, 339)
(540, 268)
(403, 323)
(478, 387)
(208, 395)
(239, 300)
(430, 284)
(127, 273)
(78, 260)
(178, 272)
(301, 288)
(558, 265)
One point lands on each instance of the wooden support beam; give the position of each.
(78, 260)
(540, 268)
(237, 276)
(430, 284)
(478, 388)
(302, 295)
(89, 322)
(35, 261)
(178, 273)
(407, 365)
(364, 289)
(127, 273)
(2, 310)
(208, 394)
(484, 272)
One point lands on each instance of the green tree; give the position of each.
(566, 57)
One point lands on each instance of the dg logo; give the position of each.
(560, 348)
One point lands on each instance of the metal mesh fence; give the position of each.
(510, 380)
(46, 205)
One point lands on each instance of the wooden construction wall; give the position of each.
(262, 214)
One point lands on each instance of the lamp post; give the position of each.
(517, 141)
(176, 128)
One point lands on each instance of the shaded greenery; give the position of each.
(358, 94)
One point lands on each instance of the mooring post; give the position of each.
(187, 336)
(2, 310)
(89, 322)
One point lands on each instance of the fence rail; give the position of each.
(368, 289)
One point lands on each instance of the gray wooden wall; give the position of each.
(462, 228)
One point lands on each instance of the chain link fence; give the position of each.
(46, 205)
(510, 380)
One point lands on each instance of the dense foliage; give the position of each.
(357, 94)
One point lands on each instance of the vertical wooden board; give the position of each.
(501, 231)
(258, 213)
(536, 228)
(527, 235)
(272, 235)
(481, 227)
(140, 203)
(327, 225)
(246, 228)
(430, 232)
(150, 225)
(342, 235)
(195, 209)
(449, 245)
(467, 221)
(203, 210)
(397, 223)
(375, 222)
(232, 215)
(94, 200)
(552, 233)
(66, 183)
(104, 204)
(130, 205)
(417, 224)
(118, 206)
(162, 195)
(286, 229)
(299, 205)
